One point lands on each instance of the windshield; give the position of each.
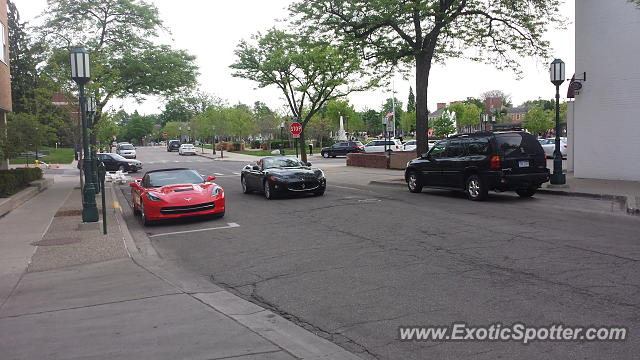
(282, 162)
(172, 177)
(126, 147)
(118, 157)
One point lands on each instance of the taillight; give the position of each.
(397, 147)
(495, 162)
(565, 146)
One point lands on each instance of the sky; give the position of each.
(211, 30)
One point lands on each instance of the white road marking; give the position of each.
(229, 226)
(218, 174)
(348, 188)
(236, 173)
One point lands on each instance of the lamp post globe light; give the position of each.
(81, 74)
(557, 77)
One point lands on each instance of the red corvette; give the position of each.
(175, 193)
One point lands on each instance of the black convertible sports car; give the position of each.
(276, 175)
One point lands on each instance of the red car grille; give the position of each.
(169, 210)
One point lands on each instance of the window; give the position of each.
(3, 53)
(455, 148)
(478, 146)
(437, 151)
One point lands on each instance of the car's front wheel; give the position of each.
(243, 182)
(121, 168)
(268, 190)
(413, 183)
(143, 215)
(526, 193)
(475, 188)
(325, 155)
(136, 210)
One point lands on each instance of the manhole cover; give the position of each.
(56, 241)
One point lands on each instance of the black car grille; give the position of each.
(303, 185)
(168, 210)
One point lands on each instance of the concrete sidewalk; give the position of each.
(624, 191)
(67, 291)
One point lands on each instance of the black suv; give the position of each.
(342, 148)
(479, 162)
(173, 145)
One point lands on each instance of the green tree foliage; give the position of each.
(443, 126)
(125, 60)
(308, 71)
(537, 120)
(477, 102)
(266, 121)
(135, 127)
(352, 120)
(106, 129)
(25, 132)
(411, 101)
(173, 129)
(408, 121)
(372, 121)
(417, 33)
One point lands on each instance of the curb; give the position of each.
(283, 333)
(624, 200)
(24, 195)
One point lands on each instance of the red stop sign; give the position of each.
(295, 128)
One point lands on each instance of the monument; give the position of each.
(341, 135)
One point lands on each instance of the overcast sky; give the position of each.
(211, 29)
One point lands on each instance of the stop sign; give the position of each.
(295, 128)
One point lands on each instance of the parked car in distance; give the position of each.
(176, 193)
(115, 162)
(126, 150)
(549, 146)
(410, 145)
(382, 145)
(173, 145)
(187, 149)
(342, 148)
(276, 175)
(479, 162)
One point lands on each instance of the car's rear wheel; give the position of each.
(325, 155)
(526, 193)
(476, 190)
(268, 190)
(121, 168)
(245, 189)
(413, 183)
(136, 210)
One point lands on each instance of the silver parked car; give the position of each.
(549, 146)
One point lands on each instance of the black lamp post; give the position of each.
(282, 138)
(81, 74)
(556, 73)
(91, 110)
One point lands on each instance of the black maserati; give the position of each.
(275, 175)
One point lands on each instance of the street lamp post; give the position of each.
(81, 74)
(282, 138)
(91, 110)
(556, 74)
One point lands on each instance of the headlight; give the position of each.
(152, 197)
(320, 174)
(216, 191)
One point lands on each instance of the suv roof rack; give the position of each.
(478, 133)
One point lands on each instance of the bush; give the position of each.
(275, 144)
(255, 144)
(11, 181)
(237, 146)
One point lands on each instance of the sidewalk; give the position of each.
(68, 291)
(624, 191)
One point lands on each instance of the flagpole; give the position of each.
(393, 102)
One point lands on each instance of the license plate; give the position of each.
(523, 163)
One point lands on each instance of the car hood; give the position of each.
(294, 172)
(179, 192)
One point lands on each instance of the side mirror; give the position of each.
(256, 168)
(308, 163)
(425, 156)
(211, 178)
(136, 183)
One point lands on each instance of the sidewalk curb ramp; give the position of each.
(298, 341)
(24, 195)
(627, 202)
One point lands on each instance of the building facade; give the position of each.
(604, 125)
(5, 76)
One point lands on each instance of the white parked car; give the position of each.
(126, 150)
(187, 149)
(549, 146)
(382, 145)
(410, 145)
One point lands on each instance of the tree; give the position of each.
(411, 101)
(173, 129)
(394, 33)
(266, 121)
(471, 116)
(477, 102)
(336, 108)
(537, 120)
(106, 129)
(308, 71)
(372, 121)
(408, 121)
(443, 125)
(24, 132)
(119, 34)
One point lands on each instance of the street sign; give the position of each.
(296, 129)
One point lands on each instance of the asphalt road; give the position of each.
(360, 261)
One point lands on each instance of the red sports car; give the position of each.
(175, 193)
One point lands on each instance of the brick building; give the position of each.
(5, 76)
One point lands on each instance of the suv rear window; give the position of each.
(514, 144)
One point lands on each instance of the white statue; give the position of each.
(341, 135)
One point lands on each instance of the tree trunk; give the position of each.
(423, 66)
